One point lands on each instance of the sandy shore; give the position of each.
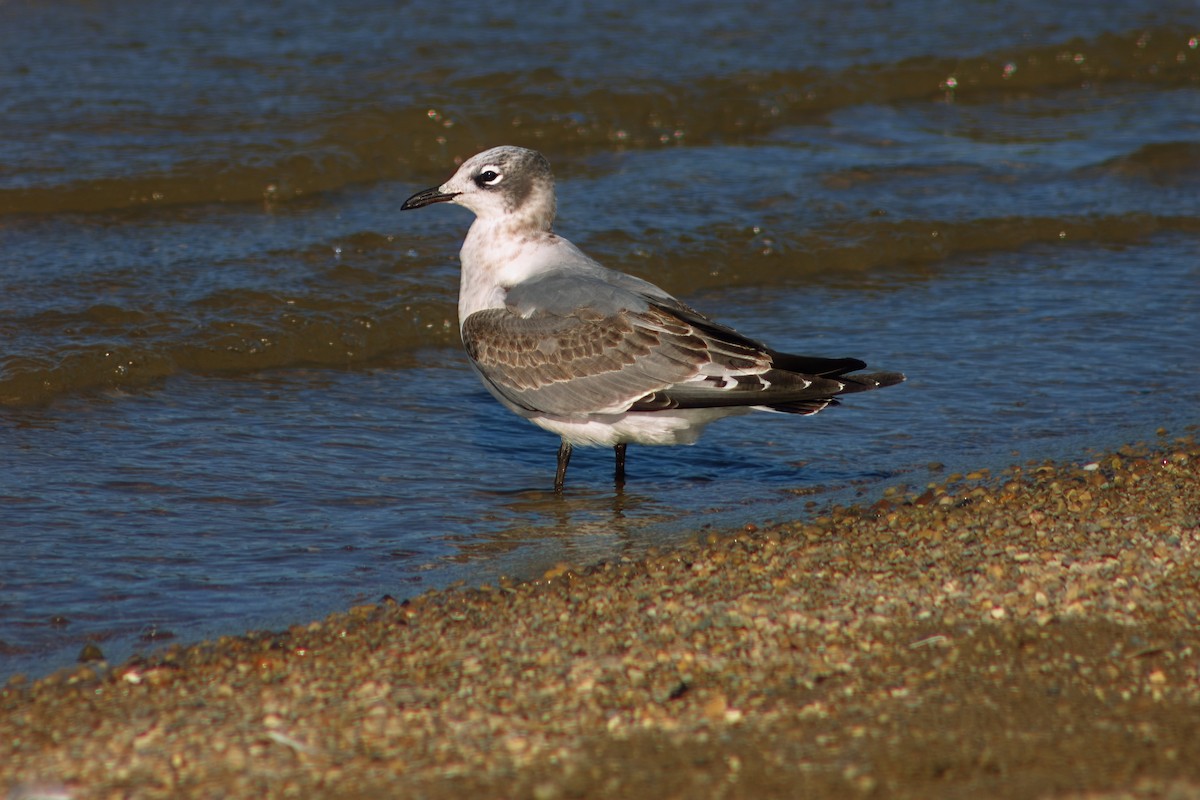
(1032, 634)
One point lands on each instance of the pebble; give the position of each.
(1035, 630)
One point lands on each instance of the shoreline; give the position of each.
(1028, 635)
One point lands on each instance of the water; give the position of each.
(231, 389)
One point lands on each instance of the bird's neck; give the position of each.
(499, 253)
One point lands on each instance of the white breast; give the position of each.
(494, 259)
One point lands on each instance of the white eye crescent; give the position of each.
(488, 176)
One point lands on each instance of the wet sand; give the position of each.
(1032, 634)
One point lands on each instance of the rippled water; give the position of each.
(231, 389)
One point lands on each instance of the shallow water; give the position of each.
(231, 389)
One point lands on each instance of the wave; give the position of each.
(110, 347)
(358, 140)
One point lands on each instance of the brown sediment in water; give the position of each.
(1026, 635)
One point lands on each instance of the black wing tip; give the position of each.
(881, 379)
(867, 381)
(815, 365)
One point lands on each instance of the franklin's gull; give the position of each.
(597, 356)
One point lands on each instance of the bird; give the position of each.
(598, 356)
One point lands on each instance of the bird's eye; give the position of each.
(489, 177)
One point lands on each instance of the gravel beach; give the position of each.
(1030, 634)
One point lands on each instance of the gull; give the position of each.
(597, 356)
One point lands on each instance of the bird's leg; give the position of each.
(564, 457)
(619, 477)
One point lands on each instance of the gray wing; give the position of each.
(572, 345)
